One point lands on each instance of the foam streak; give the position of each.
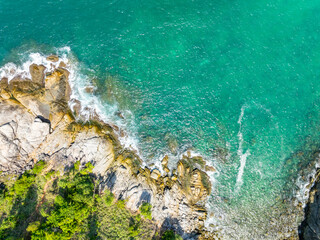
(242, 156)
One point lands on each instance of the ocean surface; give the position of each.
(235, 81)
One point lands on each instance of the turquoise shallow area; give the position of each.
(224, 78)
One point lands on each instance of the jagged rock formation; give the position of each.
(310, 227)
(36, 123)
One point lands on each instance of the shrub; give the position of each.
(23, 184)
(33, 226)
(70, 208)
(145, 210)
(88, 168)
(76, 165)
(134, 226)
(121, 204)
(170, 235)
(109, 198)
(50, 174)
(38, 167)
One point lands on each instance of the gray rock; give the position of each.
(310, 227)
(20, 134)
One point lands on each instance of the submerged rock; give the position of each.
(119, 114)
(210, 169)
(89, 89)
(172, 143)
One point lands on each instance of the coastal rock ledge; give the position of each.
(310, 227)
(36, 123)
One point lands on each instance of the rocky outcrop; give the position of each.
(53, 58)
(36, 123)
(28, 113)
(37, 74)
(310, 227)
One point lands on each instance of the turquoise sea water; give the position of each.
(236, 81)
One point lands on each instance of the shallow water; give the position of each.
(236, 81)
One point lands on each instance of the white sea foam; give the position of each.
(242, 156)
(90, 104)
(304, 185)
(11, 70)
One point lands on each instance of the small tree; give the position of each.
(38, 167)
(109, 198)
(170, 235)
(33, 226)
(145, 210)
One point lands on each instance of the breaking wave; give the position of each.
(79, 82)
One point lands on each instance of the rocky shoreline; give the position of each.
(40, 121)
(310, 227)
(36, 123)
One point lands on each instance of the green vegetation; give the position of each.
(42, 204)
(38, 167)
(109, 198)
(170, 235)
(145, 210)
(18, 201)
(33, 226)
(72, 207)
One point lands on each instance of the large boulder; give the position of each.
(20, 134)
(53, 58)
(3, 83)
(24, 85)
(57, 85)
(37, 74)
(155, 174)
